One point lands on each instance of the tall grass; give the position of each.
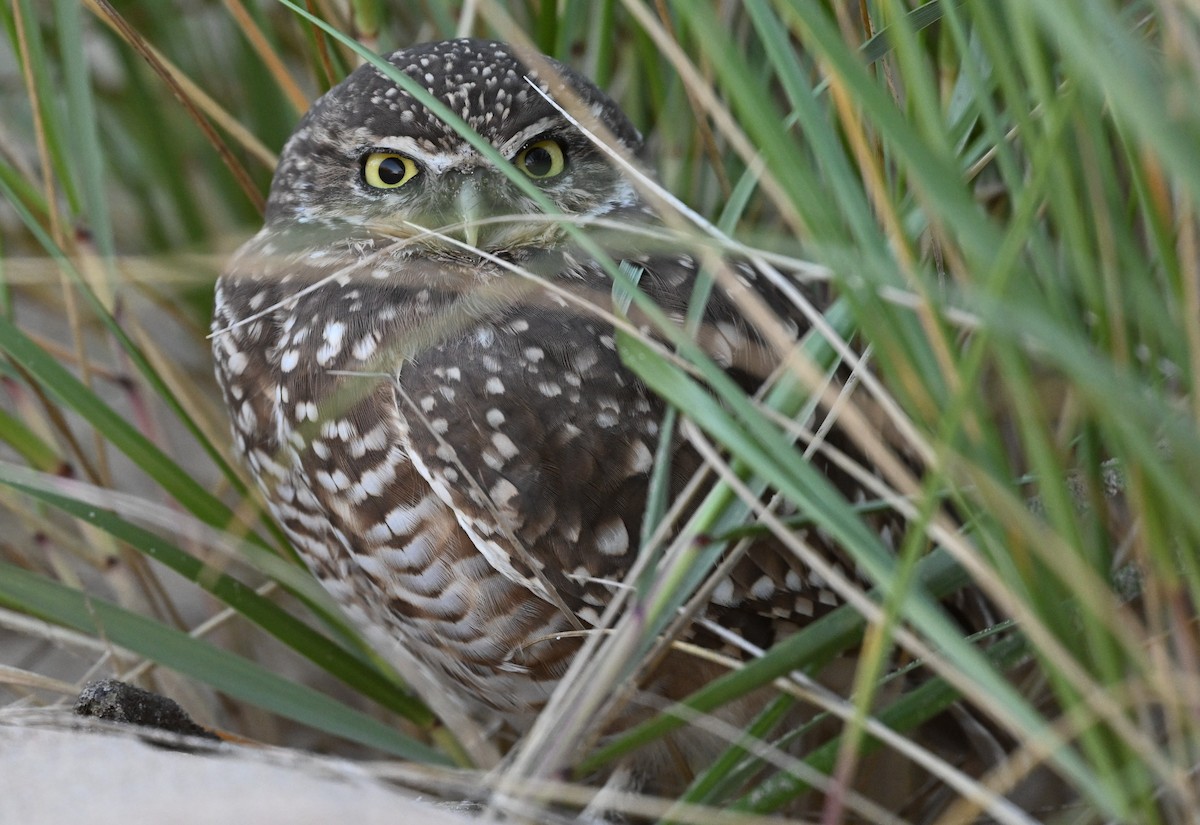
(1003, 196)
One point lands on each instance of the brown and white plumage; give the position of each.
(457, 451)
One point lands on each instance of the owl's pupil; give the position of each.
(391, 171)
(538, 162)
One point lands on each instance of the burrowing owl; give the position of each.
(446, 433)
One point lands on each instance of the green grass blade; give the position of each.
(343, 664)
(25, 441)
(806, 651)
(68, 389)
(228, 673)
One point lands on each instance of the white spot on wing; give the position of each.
(612, 539)
(403, 520)
(640, 458)
(723, 593)
(763, 588)
(334, 332)
(504, 445)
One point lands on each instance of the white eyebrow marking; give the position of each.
(466, 155)
(514, 143)
(433, 162)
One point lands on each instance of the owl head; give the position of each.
(369, 155)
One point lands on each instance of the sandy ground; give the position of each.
(55, 769)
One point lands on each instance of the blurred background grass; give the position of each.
(1004, 195)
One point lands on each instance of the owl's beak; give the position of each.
(469, 202)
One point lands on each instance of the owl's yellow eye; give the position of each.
(542, 159)
(388, 170)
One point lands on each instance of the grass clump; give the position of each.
(1003, 198)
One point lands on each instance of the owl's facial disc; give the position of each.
(461, 194)
(370, 156)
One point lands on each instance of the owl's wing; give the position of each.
(529, 427)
